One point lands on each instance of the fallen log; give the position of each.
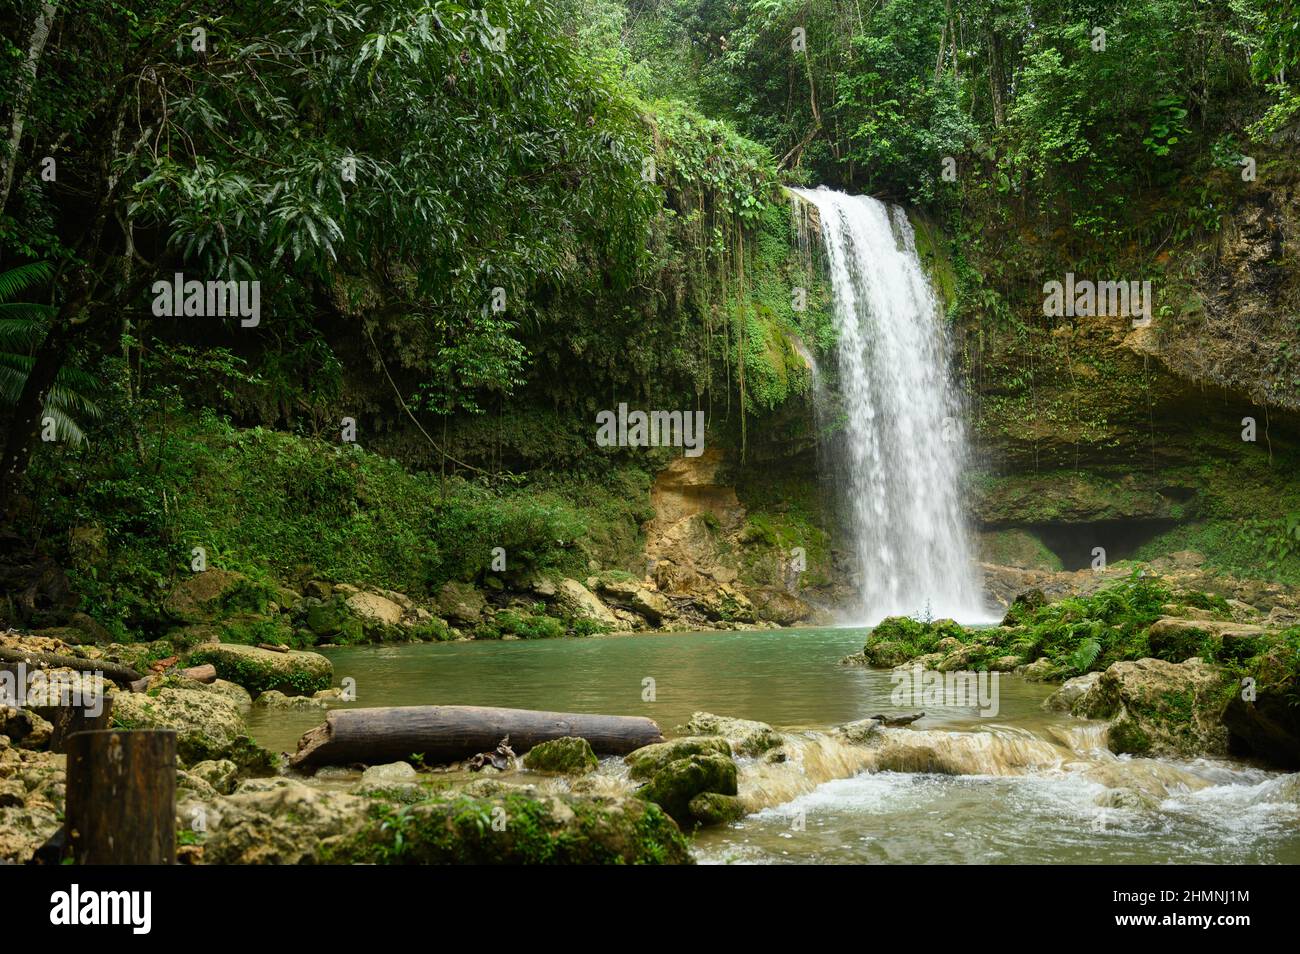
(444, 734)
(207, 673)
(122, 675)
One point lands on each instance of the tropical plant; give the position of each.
(22, 326)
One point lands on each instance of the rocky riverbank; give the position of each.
(1173, 670)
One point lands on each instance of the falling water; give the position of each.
(903, 437)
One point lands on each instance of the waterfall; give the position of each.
(903, 438)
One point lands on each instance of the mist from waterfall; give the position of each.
(903, 439)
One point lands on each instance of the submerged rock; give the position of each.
(565, 756)
(274, 699)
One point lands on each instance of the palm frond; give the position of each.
(21, 278)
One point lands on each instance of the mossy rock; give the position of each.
(208, 726)
(712, 808)
(674, 785)
(215, 594)
(567, 756)
(260, 670)
(649, 759)
(519, 827)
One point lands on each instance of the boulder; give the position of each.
(274, 699)
(566, 756)
(674, 785)
(257, 670)
(1160, 708)
(221, 774)
(711, 808)
(1071, 691)
(1175, 638)
(577, 601)
(460, 603)
(374, 611)
(207, 725)
(25, 728)
(1266, 721)
(748, 738)
(780, 606)
(276, 821)
(515, 825)
(649, 759)
(727, 604)
(214, 594)
(1040, 670)
(637, 597)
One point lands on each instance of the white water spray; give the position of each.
(903, 434)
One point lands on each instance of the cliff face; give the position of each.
(1146, 440)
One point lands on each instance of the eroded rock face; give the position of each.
(1268, 725)
(1160, 708)
(579, 602)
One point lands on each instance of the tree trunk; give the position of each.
(442, 734)
(26, 79)
(24, 425)
(121, 797)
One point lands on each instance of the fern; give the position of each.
(1085, 654)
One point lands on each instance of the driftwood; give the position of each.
(444, 734)
(122, 675)
(898, 720)
(121, 797)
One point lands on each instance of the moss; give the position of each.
(896, 639)
(515, 828)
(673, 786)
(258, 671)
(566, 756)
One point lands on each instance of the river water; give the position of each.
(1022, 786)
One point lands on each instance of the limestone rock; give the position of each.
(566, 756)
(1160, 708)
(460, 603)
(257, 670)
(649, 759)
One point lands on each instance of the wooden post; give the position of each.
(121, 802)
